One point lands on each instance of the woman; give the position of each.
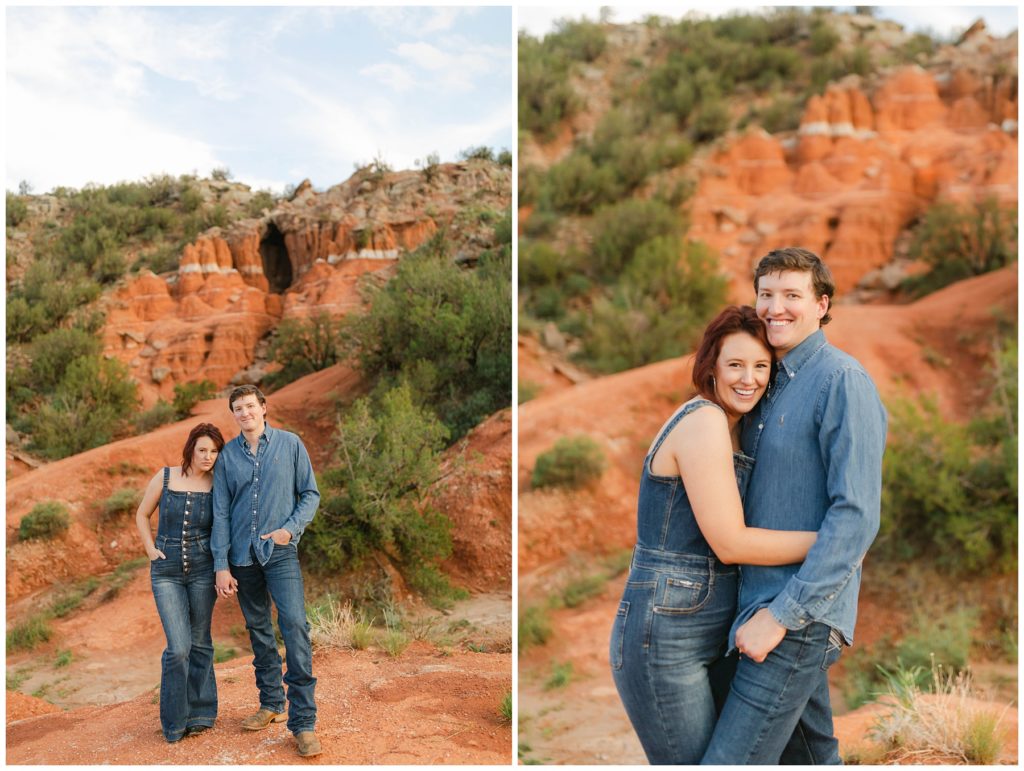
(680, 599)
(181, 573)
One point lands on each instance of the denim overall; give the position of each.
(184, 590)
(674, 617)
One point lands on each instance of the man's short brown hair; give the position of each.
(804, 260)
(245, 390)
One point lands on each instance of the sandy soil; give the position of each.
(425, 707)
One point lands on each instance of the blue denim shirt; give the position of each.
(253, 495)
(817, 439)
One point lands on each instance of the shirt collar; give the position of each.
(799, 356)
(266, 436)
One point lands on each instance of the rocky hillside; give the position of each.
(870, 154)
(233, 285)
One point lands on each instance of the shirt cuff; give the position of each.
(789, 613)
(219, 565)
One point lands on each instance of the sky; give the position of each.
(948, 21)
(274, 94)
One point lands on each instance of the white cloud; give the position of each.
(416, 21)
(53, 142)
(452, 71)
(390, 74)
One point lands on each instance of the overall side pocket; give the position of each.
(618, 635)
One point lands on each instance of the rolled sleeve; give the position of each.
(851, 437)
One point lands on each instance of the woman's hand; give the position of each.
(155, 554)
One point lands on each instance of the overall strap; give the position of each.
(167, 475)
(675, 420)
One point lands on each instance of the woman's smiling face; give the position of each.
(741, 372)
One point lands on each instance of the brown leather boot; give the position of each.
(309, 745)
(263, 718)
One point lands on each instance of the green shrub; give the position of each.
(442, 330)
(527, 390)
(479, 153)
(572, 462)
(46, 520)
(188, 395)
(164, 259)
(63, 658)
(303, 346)
(581, 589)
(823, 38)
(948, 491)
(619, 230)
(711, 120)
(962, 241)
(561, 675)
(665, 297)
(92, 400)
(505, 157)
(28, 634)
(375, 499)
(577, 40)
(545, 96)
(70, 599)
(577, 184)
(52, 353)
(933, 641)
(505, 709)
(17, 210)
(123, 501)
(394, 642)
(48, 295)
(158, 415)
(434, 586)
(260, 202)
(534, 627)
(222, 653)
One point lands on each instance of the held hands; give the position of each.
(227, 584)
(280, 536)
(760, 635)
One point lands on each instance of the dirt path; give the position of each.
(425, 707)
(429, 705)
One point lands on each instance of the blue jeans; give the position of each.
(778, 711)
(279, 580)
(188, 690)
(671, 627)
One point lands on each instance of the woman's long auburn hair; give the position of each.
(203, 429)
(733, 319)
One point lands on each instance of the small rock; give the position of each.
(159, 374)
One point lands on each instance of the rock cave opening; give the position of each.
(276, 265)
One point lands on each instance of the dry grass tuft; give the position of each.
(949, 725)
(331, 624)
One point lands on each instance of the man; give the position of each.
(817, 438)
(264, 496)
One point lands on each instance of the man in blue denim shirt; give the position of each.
(817, 439)
(264, 496)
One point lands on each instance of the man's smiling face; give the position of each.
(788, 307)
(249, 414)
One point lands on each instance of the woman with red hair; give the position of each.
(181, 574)
(673, 621)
